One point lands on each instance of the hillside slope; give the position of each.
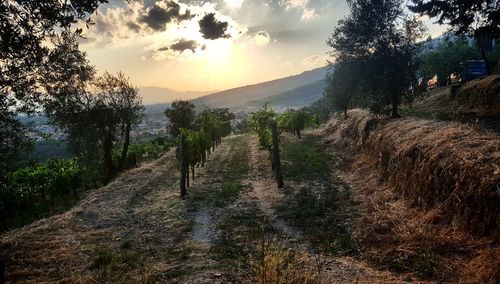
(297, 98)
(239, 96)
(157, 95)
(138, 230)
(428, 194)
(476, 101)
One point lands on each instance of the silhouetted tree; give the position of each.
(125, 102)
(477, 18)
(180, 115)
(96, 113)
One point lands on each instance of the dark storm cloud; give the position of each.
(211, 28)
(184, 44)
(158, 17)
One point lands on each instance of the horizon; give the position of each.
(177, 45)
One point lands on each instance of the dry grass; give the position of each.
(449, 167)
(419, 183)
(278, 264)
(481, 96)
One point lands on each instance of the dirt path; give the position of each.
(265, 191)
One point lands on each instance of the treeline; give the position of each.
(381, 57)
(197, 135)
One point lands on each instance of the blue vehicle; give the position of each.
(474, 69)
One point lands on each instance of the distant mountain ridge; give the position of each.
(296, 98)
(237, 97)
(158, 95)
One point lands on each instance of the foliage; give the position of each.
(243, 125)
(180, 115)
(95, 113)
(294, 121)
(343, 88)
(139, 153)
(37, 189)
(261, 122)
(195, 145)
(25, 63)
(382, 38)
(320, 110)
(447, 58)
(477, 18)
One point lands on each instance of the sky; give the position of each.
(213, 45)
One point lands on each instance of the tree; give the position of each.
(477, 18)
(180, 115)
(95, 113)
(342, 85)
(126, 102)
(383, 39)
(26, 27)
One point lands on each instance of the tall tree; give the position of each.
(477, 18)
(379, 34)
(180, 115)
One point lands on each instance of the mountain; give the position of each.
(243, 95)
(157, 95)
(296, 98)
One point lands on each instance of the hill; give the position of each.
(242, 95)
(296, 98)
(476, 101)
(157, 95)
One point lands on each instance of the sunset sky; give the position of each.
(213, 45)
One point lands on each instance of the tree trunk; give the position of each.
(345, 114)
(75, 194)
(126, 143)
(298, 133)
(192, 172)
(108, 155)
(186, 170)
(2, 272)
(483, 56)
(183, 168)
(276, 156)
(394, 103)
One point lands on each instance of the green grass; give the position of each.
(241, 230)
(106, 261)
(303, 161)
(230, 176)
(317, 202)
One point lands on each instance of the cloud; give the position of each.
(262, 38)
(184, 44)
(211, 28)
(162, 13)
(233, 4)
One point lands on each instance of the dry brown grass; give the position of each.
(419, 184)
(450, 167)
(481, 96)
